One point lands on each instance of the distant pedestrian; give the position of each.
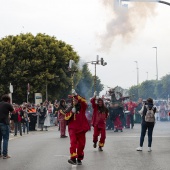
(5, 108)
(148, 121)
(25, 119)
(130, 106)
(47, 121)
(61, 118)
(42, 113)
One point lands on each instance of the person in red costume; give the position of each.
(61, 118)
(77, 128)
(130, 106)
(100, 114)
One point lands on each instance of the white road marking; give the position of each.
(137, 136)
(74, 167)
(14, 138)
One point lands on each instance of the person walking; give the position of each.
(61, 118)
(47, 121)
(130, 106)
(42, 113)
(148, 121)
(5, 108)
(100, 114)
(25, 120)
(77, 128)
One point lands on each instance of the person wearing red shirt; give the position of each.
(16, 116)
(100, 114)
(77, 128)
(130, 106)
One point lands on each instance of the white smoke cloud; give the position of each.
(125, 22)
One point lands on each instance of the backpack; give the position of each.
(150, 115)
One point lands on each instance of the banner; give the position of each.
(38, 98)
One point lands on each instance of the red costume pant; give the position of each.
(62, 127)
(97, 132)
(77, 144)
(117, 123)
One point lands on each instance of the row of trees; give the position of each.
(41, 60)
(152, 88)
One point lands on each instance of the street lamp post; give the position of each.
(156, 64)
(137, 69)
(97, 62)
(11, 91)
(28, 91)
(147, 75)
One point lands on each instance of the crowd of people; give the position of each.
(163, 108)
(26, 117)
(79, 116)
(30, 117)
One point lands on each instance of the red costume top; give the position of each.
(78, 121)
(99, 118)
(131, 106)
(61, 115)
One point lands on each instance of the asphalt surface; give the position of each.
(47, 151)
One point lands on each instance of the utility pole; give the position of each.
(147, 75)
(156, 64)
(97, 62)
(137, 69)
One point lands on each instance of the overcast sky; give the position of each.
(95, 27)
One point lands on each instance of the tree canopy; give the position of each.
(42, 61)
(37, 60)
(152, 88)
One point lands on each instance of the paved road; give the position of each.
(46, 151)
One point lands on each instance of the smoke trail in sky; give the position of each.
(125, 21)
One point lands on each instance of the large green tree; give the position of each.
(147, 89)
(165, 86)
(133, 91)
(38, 60)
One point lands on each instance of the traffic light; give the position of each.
(104, 64)
(97, 59)
(102, 61)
